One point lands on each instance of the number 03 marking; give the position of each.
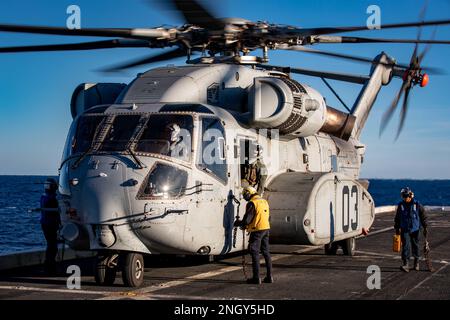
(348, 195)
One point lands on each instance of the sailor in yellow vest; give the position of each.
(256, 222)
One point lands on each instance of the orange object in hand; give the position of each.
(397, 243)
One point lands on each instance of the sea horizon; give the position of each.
(361, 178)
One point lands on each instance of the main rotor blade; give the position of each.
(354, 58)
(196, 14)
(359, 79)
(331, 30)
(336, 39)
(403, 112)
(337, 55)
(352, 78)
(107, 44)
(121, 33)
(388, 114)
(171, 54)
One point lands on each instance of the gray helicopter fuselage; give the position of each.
(124, 185)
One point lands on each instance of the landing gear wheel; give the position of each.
(331, 249)
(349, 246)
(104, 273)
(133, 269)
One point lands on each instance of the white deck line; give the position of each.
(174, 283)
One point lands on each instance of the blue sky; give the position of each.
(35, 88)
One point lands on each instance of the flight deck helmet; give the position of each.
(248, 192)
(407, 194)
(50, 185)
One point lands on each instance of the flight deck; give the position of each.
(300, 272)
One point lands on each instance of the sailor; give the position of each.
(177, 147)
(410, 217)
(256, 222)
(50, 223)
(255, 174)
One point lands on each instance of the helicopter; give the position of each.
(157, 166)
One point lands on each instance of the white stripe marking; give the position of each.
(202, 276)
(22, 288)
(423, 281)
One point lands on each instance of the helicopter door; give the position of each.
(244, 155)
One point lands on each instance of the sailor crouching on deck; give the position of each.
(256, 221)
(409, 218)
(50, 223)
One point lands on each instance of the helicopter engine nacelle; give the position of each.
(88, 95)
(284, 104)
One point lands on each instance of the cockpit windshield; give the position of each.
(169, 135)
(86, 129)
(120, 133)
(162, 134)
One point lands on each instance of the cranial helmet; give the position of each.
(248, 192)
(174, 130)
(257, 152)
(406, 193)
(50, 185)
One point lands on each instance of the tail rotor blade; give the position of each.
(422, 14)
(403, 112)
(388, 114)
(427, 48)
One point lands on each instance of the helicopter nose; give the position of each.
(101, 194)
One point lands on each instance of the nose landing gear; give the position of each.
(133, 269)
(131, 264)
(105, 269)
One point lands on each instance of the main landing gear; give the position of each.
(129, 263)
(348, 247)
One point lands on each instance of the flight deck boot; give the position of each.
(268, 279)
(405, 266)
(254, 281)
(416, 264)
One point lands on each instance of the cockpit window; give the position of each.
(120, 133)
(164, 182)
(161, 134)
(86, 129)
(212, 156)
(169, 135)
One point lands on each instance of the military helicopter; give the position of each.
(157, 166)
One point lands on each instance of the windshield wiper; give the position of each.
(77, 163)
(92, 146)
(136, 159)
(132, 144)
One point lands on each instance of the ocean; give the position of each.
(20, 230)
